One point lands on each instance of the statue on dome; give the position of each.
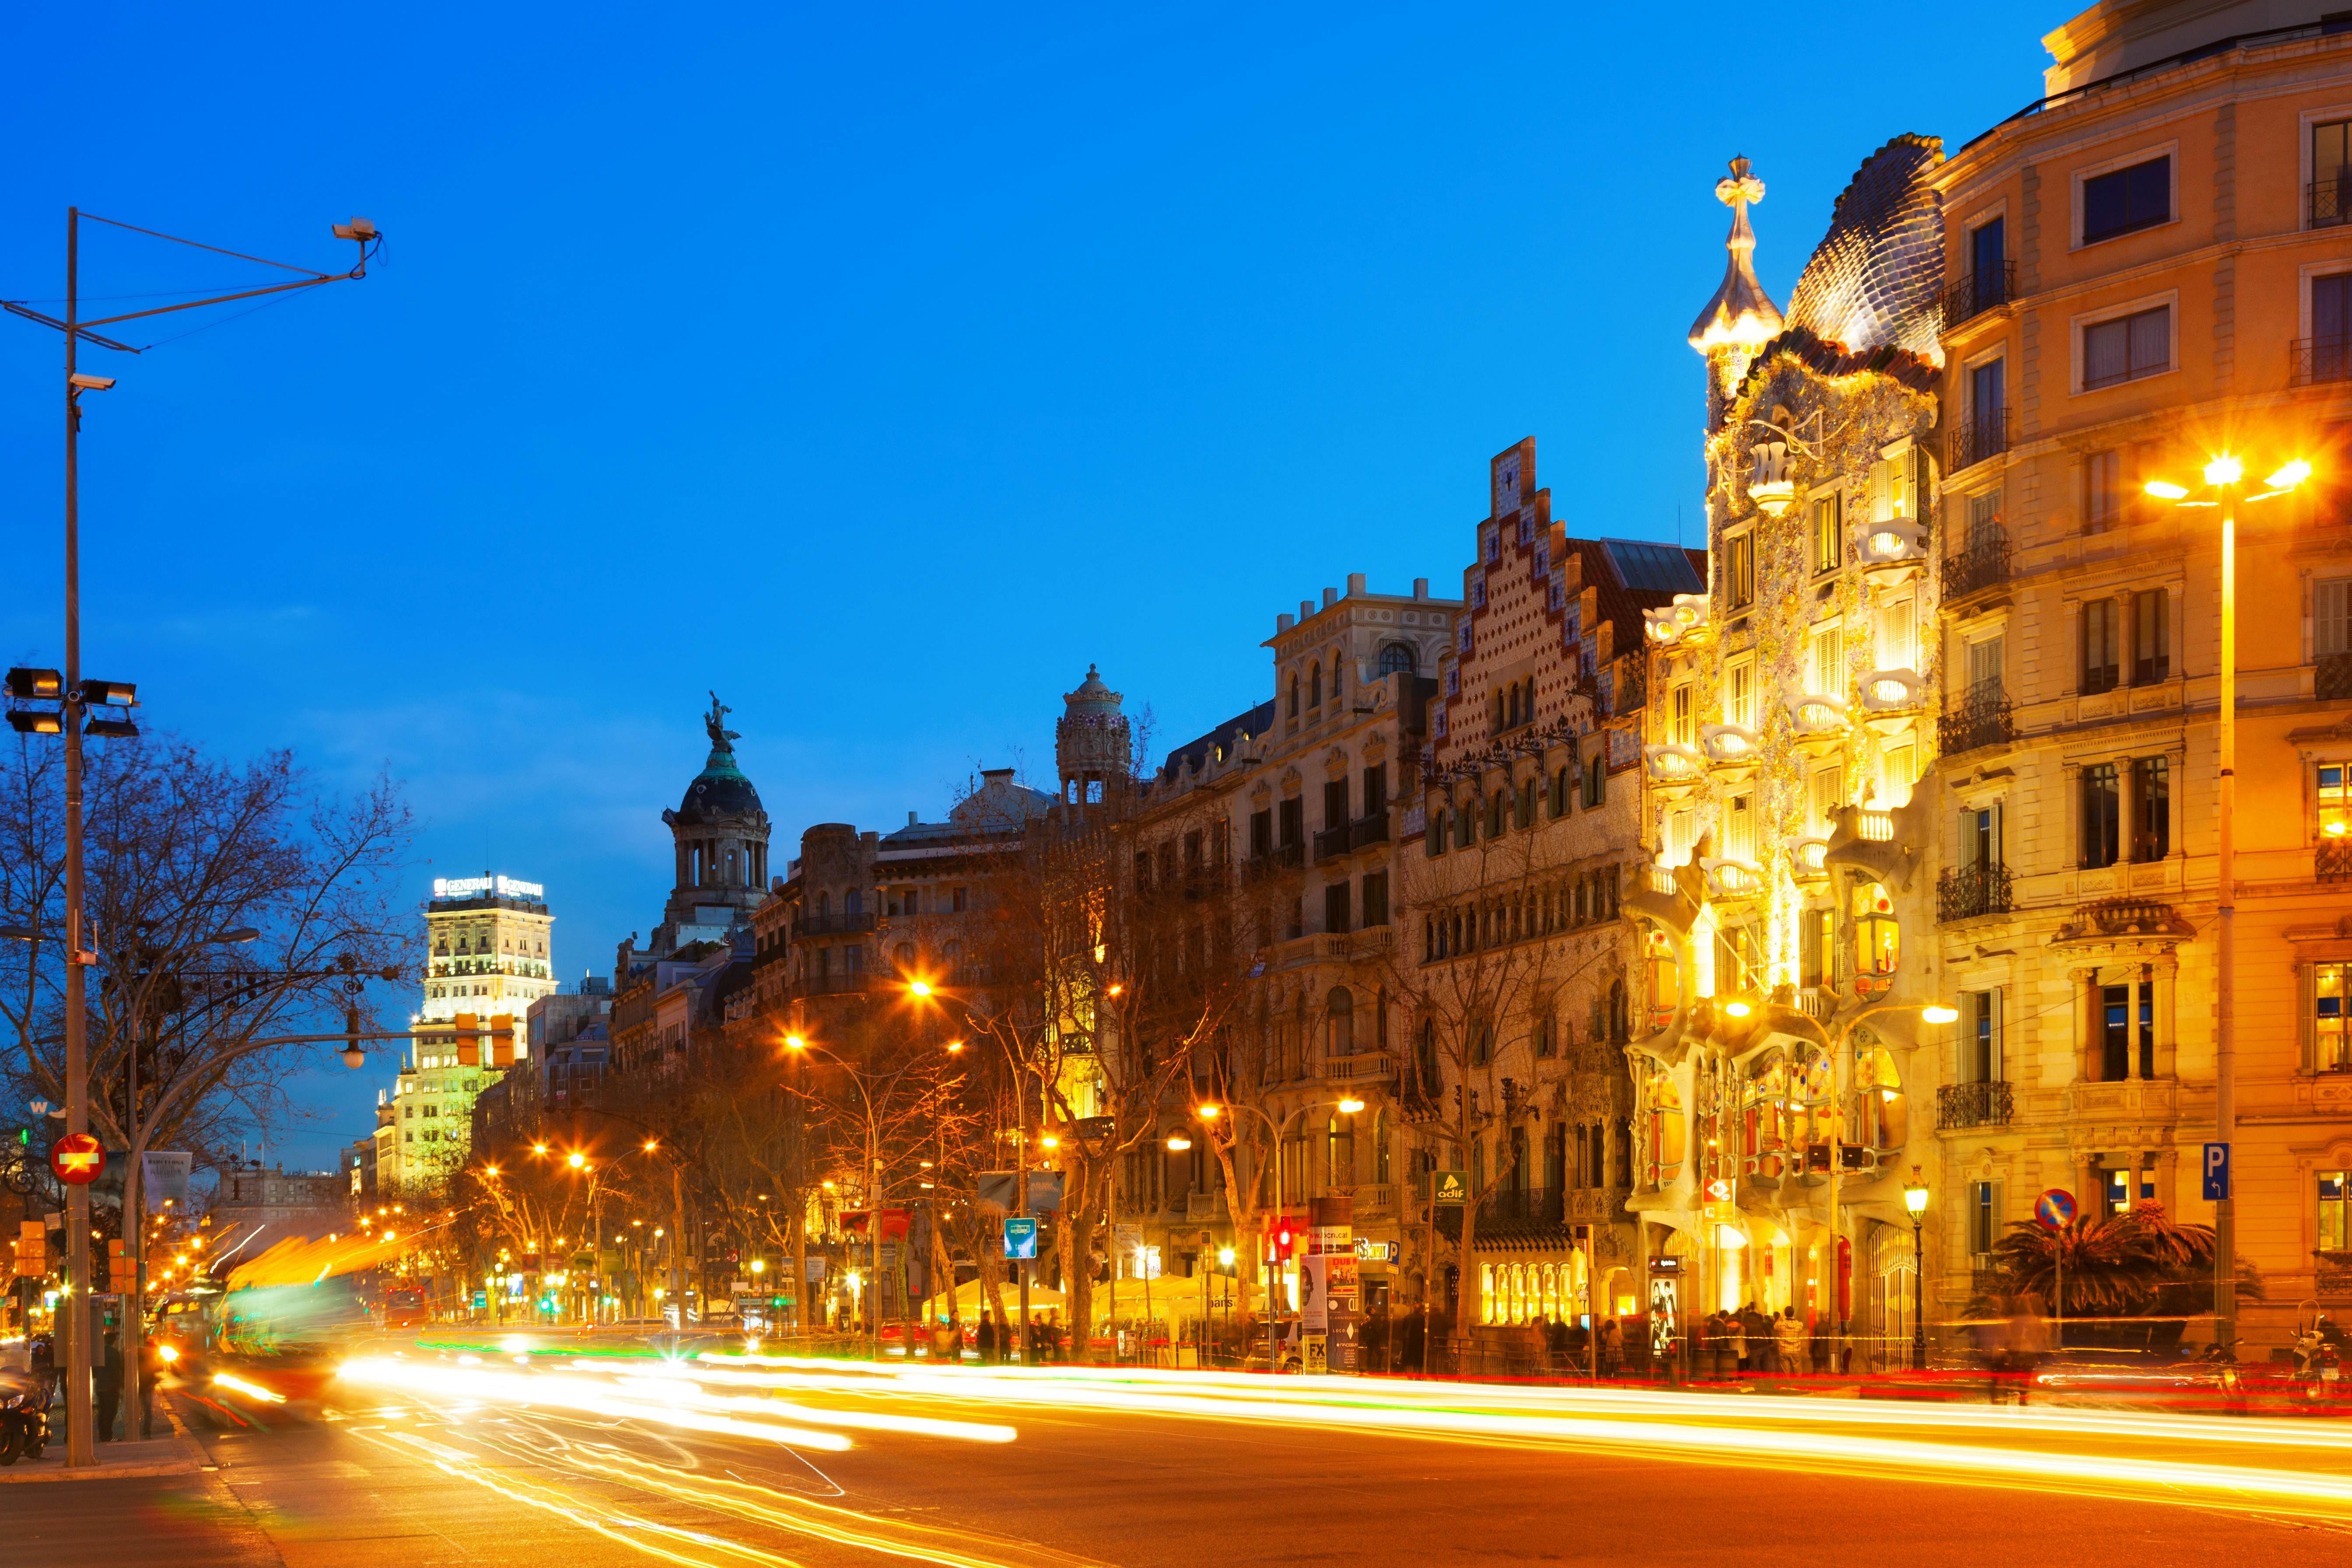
(715, 721)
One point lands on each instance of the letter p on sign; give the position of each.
(2217, 1172)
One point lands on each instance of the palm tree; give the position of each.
(2139, 1263)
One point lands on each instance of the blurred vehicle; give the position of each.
(274, 1348)
(24, 1415)
(403, 1307)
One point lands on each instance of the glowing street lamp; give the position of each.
(1914, 1198)
(2223, 476)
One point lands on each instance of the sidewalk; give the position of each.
(172, 1455)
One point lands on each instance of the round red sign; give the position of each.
(77, 1158)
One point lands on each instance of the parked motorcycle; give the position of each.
(24, 1415)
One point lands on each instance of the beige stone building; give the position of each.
(2150, 268)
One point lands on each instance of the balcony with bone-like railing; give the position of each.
(1733, 876)
(1681, 622)
(1817, 719)
(1894, 551)
(1673, 766)
(1729, 748)
(1805, 859)
(1893, 699)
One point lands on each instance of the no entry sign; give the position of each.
(78, 1158)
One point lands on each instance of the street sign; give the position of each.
(1371, 1251)
(164, 1179)
(78, 1158)
(1448, 1187)
(1126, 1239)
(2217, 1172)
(2054, 1208)
(1020, 1235)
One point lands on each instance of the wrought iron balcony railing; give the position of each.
(1983, 564)
(1520, 1206)
(1985, 716)
(2332, 862)
(1964, 892)
(2315, 362)
(2332, 678)
(1972, 442)
(1977, 293)
(1990, 1104)
(1331, 843)
(2328, 202)
(1368, 830)
(832, 925)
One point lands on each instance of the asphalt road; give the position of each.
(414, 1482)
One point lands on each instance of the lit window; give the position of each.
(2334, 1210)
(2126, 348)
(2331, 1048)
(2334, 800)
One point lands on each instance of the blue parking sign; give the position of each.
(1020, 1235)
(2217, 1172)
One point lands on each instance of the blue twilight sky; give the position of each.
(878, 366)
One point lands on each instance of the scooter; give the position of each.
(24, 1417)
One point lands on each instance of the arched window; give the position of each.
(1764, 1117)
(1315, 685)
(1397, 659)
(1294, 694)
(1518, 1160)
(1425, 1056)
(1338, 1024)
(1381, 1175)
(1339, 1153)
(823, 904)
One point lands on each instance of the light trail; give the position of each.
(482, 1386)
(582, 1511)
(1966, 1444)
(250, 1390)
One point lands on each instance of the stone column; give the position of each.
(2086, 1018)
(2168, 1037)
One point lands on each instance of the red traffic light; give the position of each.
(77, 1158)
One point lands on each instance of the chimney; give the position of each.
(1283, 623)
(1421, 587)
(1355, 585)
(911, 819)
(1306, 609)
(1331, 597)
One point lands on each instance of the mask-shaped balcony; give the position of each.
(1817, 719)
(1733, 879)
(1684, 621)
(1805, 859)
(1893, 699)
(1894, 552)
(1729, 748)
(1673, 768)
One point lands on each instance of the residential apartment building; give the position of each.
(2152, 267)
(1293, 809)
(1787, 921)
(1514, 970)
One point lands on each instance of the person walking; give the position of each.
(985, 1338)
(1789, 1342)
(1756, 1340)
(1612, 1347)
(108, 1376)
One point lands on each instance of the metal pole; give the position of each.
(82, 1446)
(1918, 1299)
(1837, 1165)
(134, 1243)
(1021, 1204)
(678, 1242)
(2225, 946)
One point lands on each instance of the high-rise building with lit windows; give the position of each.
(486, 940)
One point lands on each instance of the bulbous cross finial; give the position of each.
(1741, 188)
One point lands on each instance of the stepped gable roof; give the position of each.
(1877, 279)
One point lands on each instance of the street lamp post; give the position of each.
(1931, 1012)
(2224, 476)
(1914, 1198)
(81, 1449)
(1348, 1107)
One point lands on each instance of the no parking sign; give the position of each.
(2054, 1208)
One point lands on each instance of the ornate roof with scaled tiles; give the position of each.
(1877, 279)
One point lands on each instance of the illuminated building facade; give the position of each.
(1786, 921)
(488, 958)
(2151, 266)
(1296, 806)
(1514, 970)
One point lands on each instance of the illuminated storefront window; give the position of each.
(1664, 982)
(1810, 1092)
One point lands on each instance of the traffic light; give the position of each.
(1285, 1240)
